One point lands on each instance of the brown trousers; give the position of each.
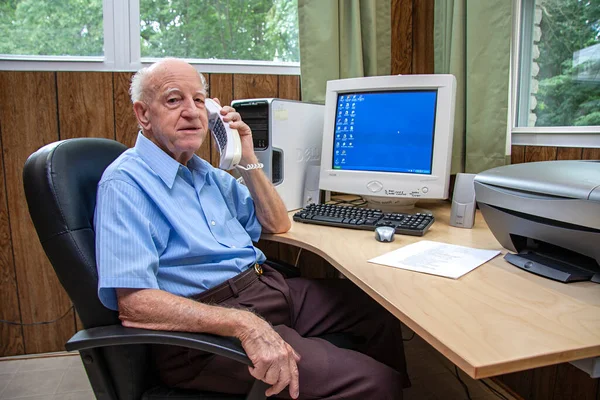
(299, 310)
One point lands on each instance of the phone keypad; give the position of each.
(220, 134)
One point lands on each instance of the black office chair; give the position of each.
(60, 182)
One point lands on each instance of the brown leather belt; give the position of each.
(231, 287)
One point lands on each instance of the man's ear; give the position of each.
(142, 114)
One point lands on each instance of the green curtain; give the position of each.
(472, 42)
(342, 39)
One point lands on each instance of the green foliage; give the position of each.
(209, 29)
(47, 27)
(569, 95)
(220, 29)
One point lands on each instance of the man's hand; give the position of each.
(235, 122)
(275, 362)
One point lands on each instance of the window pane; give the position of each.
(226, 30)
(564, 57)
(51, 27)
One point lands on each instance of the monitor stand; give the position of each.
(393, 205)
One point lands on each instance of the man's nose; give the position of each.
(190, 109)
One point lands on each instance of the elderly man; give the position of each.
(174, 252)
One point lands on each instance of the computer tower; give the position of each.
(287, 139)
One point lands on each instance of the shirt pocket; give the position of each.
(238, 237)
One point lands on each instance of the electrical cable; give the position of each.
(493, 390)
(298, 258)
(357, 202)
(38, 323)
(464, 385)
(336, 202)
(409, 339)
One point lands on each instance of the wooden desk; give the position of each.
(495, 320)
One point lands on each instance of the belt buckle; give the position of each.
(258, 269)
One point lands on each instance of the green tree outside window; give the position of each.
(569, 61)
(220, 29)
(51, 27)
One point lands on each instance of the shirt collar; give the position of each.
(197, 164)
(160, 162)
(200, 166)
(164, 165)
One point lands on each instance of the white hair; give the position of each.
(139, 89)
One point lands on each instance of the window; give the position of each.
(251, 36)
(556, 87)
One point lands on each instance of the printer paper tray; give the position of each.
(548, 267)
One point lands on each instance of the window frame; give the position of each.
(520, 80)
(121, 19)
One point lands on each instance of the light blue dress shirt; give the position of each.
(162, 225)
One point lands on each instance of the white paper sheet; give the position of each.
(436, 258)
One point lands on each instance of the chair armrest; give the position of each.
(115, 335)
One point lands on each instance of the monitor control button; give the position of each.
(425, 189)
(374, 186)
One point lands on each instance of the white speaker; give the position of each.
(311, 185)
(462, 214)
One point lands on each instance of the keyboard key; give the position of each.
(325, 218)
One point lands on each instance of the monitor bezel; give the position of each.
(355, 181)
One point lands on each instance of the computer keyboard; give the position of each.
(345, 216)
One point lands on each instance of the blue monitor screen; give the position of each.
(385, 131)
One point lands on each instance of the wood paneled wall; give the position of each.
(523, 154)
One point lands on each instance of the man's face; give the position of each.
(176, 117)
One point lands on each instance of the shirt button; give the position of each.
(213, 223)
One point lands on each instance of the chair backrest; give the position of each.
(60, 181)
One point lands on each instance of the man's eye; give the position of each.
(199, 100)
(172, 100)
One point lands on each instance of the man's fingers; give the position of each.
(226, 110)
(237, 125)
(232, 117)
(289, 376)
(258, 371)
(283, 379)
(294, 379)
(273, 375)
(242, 128)
(274, 360)
(297, 357)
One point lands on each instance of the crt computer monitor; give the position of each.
(389, 138)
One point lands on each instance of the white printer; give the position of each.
(548, 213)
(287, 139)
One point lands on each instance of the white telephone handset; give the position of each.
(228, 140)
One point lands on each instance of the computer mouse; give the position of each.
(384, 234)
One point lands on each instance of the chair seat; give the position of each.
(165, 393)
